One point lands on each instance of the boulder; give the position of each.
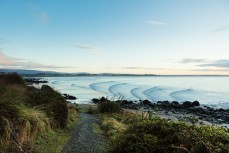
(195, 103)
(69, 97)
(187, 104)
(146, 102)
(175, 104)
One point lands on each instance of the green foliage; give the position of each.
(54, 140)
(109, 107)
(90, 110)
(161, 135)
(53, 104)
(112, 127)
(27, 111)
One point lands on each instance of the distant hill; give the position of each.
(37, 73)
(22, 71)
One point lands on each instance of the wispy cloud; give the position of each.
(211, 70)
(38, 13)
(155, 23)
(142, 68)
(8, 61)
(191, 60)
(3, 41)
(217, 63)
(221, 63)
(89, 48)
(221, 29)
(43, 16)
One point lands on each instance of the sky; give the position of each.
(116, 36)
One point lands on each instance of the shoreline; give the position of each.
(176, 111)
(190, 112)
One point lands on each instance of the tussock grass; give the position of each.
(129, 132)
(27, 113)
(11, 78)
(112, 127)
(109, 107)
(53, 141)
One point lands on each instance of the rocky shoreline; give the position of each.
(194, 110)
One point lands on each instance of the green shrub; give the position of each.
(160, 135)
(109, 107)
(53, 104)
(112, 127)
(26, 112)
(90, 110)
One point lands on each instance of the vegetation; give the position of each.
(130, 132)
(109, 107)
(28, 114)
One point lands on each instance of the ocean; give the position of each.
(208, 90)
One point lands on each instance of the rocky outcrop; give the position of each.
(207, 113)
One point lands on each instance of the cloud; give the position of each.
(223, 28)
(211, 70)
(143, 68)
(7, 61)
(137, 68)
(217, 63)
(222, 63)
(43, 16)
(89, 47)
(156, 23)
(191, 60)
(3, 41)
(38, 13)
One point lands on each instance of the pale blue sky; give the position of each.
(119, 36)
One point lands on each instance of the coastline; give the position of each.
(189, 112)
(176, 111)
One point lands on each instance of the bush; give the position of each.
(90, 110)
(53, 104)
(109, 107)
(112, 127)
(12, 78)
(18, 126)
(27, 111)
(160, 135)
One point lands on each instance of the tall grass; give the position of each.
(27, 112)
(160, 135)
(109, 107)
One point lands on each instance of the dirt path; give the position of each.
(85, 137)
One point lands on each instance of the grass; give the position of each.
(53, 141)
(33, 119)
(132, 133)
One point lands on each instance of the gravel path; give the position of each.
(85, 139)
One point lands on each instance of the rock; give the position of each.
(69, 97)
(165, 103)
(195, 103)
(187, 104)
(146, 102)
(175, 104)
(35, 80)
(221, 110)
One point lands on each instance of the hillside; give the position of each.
(27, 114)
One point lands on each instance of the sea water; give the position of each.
(208, 90)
